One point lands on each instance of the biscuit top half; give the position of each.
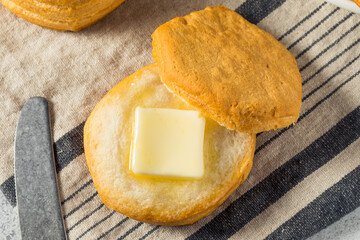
(229, 69)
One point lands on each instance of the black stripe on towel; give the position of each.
(77, 191)
(149, 232)
(329, 47)
(69, 147)
(84, 218)
(313, 28)
(8, 188)
(339, 200)
(302, 21)
(283, 179)
(108, 231)
(81, 205)
(330, 78)
(130, 231)
(95, 225)
(254, 10)
(330, 62)
(336, 25)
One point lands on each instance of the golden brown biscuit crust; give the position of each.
(62, 15)
(107, 138)
(229, 69)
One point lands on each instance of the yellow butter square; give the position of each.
(168, 143)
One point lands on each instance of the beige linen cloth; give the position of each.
(304, 177)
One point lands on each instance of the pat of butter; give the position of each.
(168, 143)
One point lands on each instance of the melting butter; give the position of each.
(167, 143)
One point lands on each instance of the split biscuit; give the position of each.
(228, 157)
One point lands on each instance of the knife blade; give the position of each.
(35, 175)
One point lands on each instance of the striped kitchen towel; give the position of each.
(304, 177)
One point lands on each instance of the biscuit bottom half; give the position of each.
(228, 157)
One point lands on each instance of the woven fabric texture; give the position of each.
(304, 177)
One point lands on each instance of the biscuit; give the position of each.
(229, 69)
(62, 15)
(107, 138)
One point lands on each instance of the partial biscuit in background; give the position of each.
(229, 69)
(62, 15)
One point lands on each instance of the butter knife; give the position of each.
(37, 193)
